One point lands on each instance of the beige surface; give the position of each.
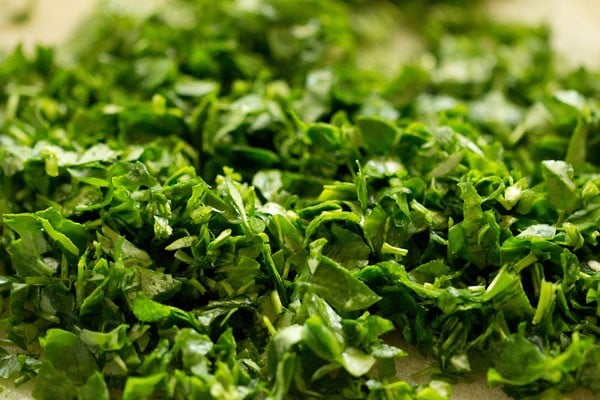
(576, 36)
(575, 25)
(52, 21)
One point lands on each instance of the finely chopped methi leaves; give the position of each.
(223, 201)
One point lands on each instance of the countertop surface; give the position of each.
(575, 29)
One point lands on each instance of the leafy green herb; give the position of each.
(222, 201)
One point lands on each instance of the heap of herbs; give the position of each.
(227, 200)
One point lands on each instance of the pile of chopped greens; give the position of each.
(212, 200)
